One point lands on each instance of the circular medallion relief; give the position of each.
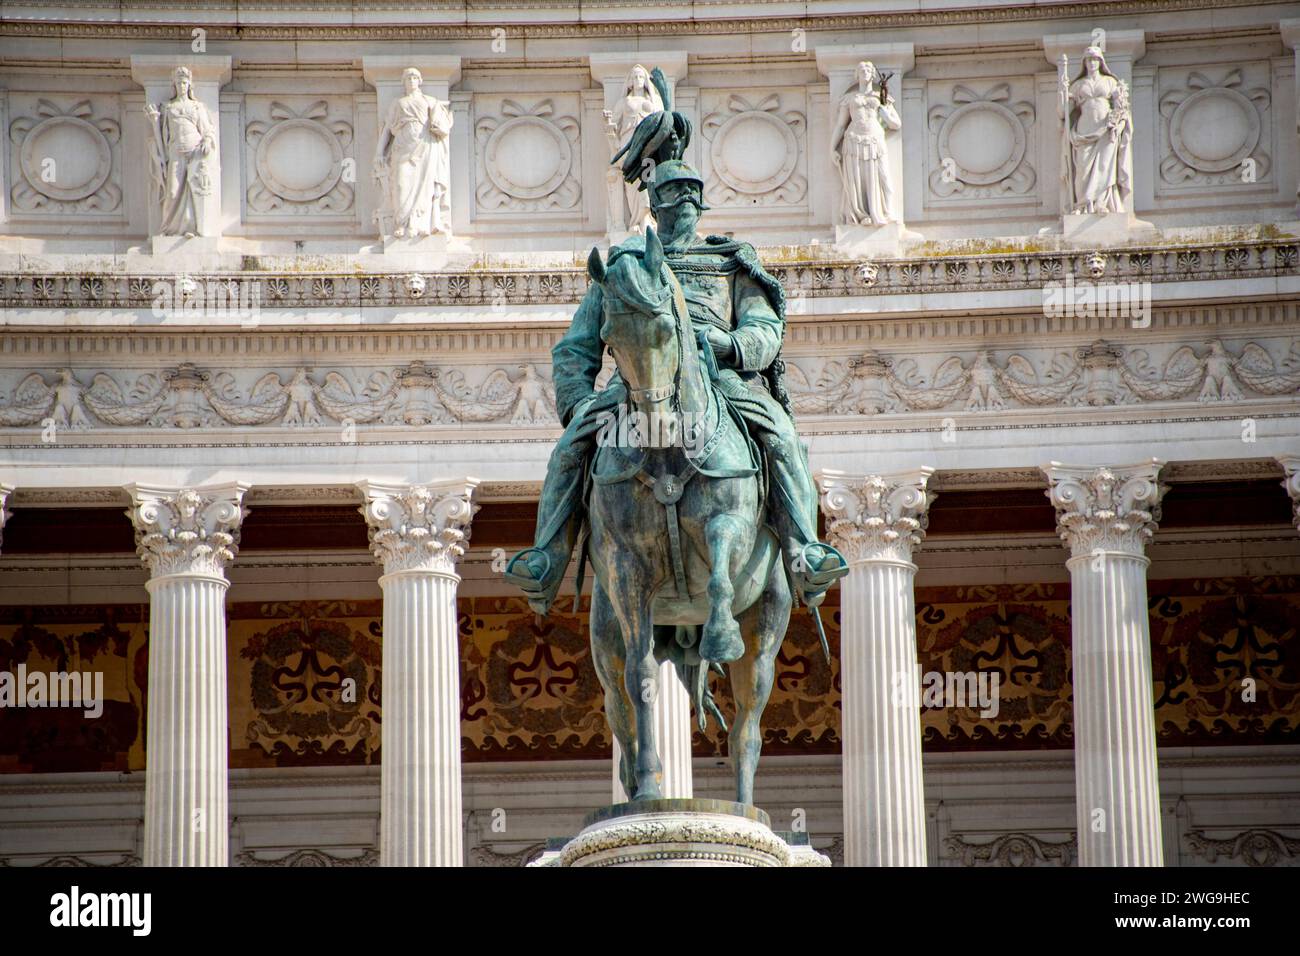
(754, 152)
(1214, 130)
(299, 160)
(985, 141)
(527, 157)
(82, 158)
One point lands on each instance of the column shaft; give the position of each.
(884, 819)
(420, 821)
(1116, 785)
(186, 820)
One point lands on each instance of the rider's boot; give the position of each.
(814, 566)
(539, 571)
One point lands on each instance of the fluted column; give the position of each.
(877, 521)
(5, 492)
(1290, 465)
(1106, 516)
(672, 735)
(186, 537)
(418, 532)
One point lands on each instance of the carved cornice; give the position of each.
(635, 25)
(1106, 509)
(876, 517)
(510, 287)
(419, 527)
(190, 531)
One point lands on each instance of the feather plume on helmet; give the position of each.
(658, 138)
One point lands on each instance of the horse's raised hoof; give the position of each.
(723, 643)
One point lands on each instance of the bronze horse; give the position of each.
(686, 568)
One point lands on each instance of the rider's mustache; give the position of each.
(683, 200)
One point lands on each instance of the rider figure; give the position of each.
(738, 312)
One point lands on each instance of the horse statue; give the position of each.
(685, 566)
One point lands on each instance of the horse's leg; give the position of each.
(609, 654)
(764, 626)
(720, 639)
(632, 606)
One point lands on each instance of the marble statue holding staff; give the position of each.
(183, 140)
(859, 154)
(640, 99)
(1096, 157)
(413, 162)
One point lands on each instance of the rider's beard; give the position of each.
(675, 223)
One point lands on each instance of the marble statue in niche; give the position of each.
(859, 154)
(181, 152)
(413, 163)
(1096, 158)
(640, 99)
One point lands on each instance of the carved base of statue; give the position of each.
(680, 833)
(869, 242)
(427, 253)
(1097, 229)
(170, 245)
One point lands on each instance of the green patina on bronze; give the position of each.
(683, 481)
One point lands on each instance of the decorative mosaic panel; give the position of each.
(305, 685)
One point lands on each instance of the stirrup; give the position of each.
(814, 582)
(540, 592)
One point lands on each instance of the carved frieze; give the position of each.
(1099, 374)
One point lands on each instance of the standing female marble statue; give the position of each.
(858, 151)
(640, 99)
(183, 139)
(413, 162)
(1096, 161)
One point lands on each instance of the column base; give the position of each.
(679, 833)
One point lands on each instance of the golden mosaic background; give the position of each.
(530, 692)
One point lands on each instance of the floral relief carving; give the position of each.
(298, 159)
(64, 159)
(754, 153)
(1212, 128)
(981, 142)
(527, 159)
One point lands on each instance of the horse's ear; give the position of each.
(654, 251)
(595, 268)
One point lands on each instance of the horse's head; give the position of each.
(641, 328)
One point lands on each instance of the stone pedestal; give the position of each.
(1106, 516)
(186, 537)
(877, 521)
(873, 242)
(418, 532)
(1116, 228)
(672, 735)
(677, 833)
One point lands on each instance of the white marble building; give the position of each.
(275, 353)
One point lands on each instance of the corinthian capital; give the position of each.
(876, 517)
(5, 492)
(187, 530)
(1106, 509)
(419, 527)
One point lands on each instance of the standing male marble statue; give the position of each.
(413, 163)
